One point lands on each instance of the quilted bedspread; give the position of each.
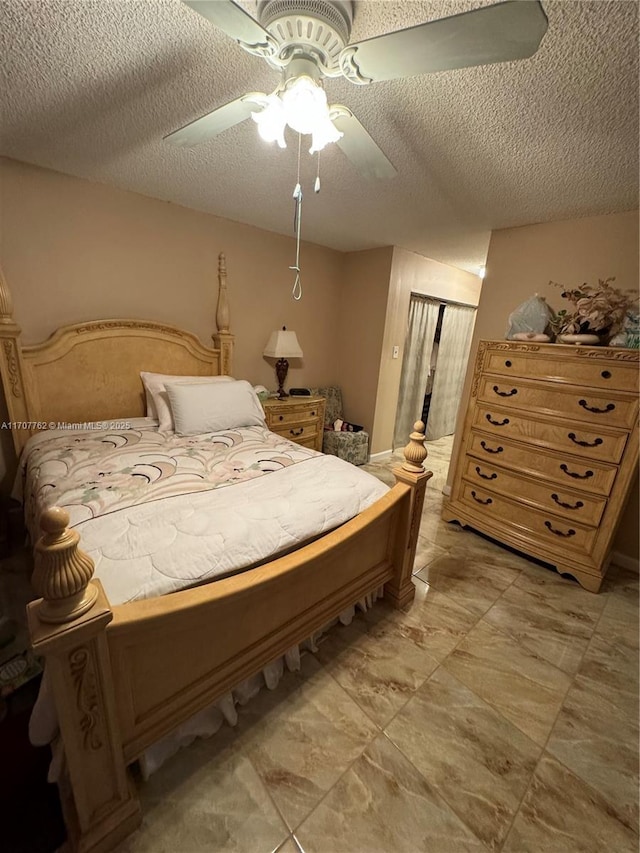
(157, 513)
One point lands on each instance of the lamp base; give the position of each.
(282, 368)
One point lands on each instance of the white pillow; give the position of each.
(208, 408)
(156, 395)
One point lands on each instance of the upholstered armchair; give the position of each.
(352, 446)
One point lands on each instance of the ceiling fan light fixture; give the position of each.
(308, 40)
(305, 104)
(324, 133)
(302, 105)
(271, 120)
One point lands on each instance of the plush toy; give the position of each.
(344, 426)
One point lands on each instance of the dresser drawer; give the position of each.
(309, 441)
(568, 471)
(284, 414)
(300, 419)
(298, 432)
(583, 508)
(576, 404)
(586, 367)
(548, 527)
(578, 439)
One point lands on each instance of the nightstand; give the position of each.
(300, 419)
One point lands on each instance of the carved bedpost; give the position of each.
(12, 367)
(6, 302)
(223, 339)
(400, 591)
(62, 573)
(68, 627)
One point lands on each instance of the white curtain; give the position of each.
(453, 354)
(423, 319)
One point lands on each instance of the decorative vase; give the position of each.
(530, 321)
(580, 340)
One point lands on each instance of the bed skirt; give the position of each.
(43, 725)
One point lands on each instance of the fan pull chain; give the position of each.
(297, 284)
(297, 223)
(316, 186)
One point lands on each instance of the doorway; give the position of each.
(434, 366)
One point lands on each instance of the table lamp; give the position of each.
(282, 345)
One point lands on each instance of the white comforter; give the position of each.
(149, 549)
(164, 546)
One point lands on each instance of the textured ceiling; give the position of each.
(91, 87)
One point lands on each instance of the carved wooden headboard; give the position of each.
(91, 371)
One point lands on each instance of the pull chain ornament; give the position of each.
(297, 224)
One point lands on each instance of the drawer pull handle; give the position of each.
(296, 431)
(575, 440)
(575, 475)
(608, 408)
(497, 423)
(570, 531)
(606, 374)
(493, 476)
(577, 505)
(483, 445)
(479, 500)
(505, 393)
(313, 414)
(507, 364)
(280, 417)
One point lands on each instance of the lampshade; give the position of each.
(283, 344)
(301, 104)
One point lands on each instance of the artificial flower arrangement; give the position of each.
(595, 309)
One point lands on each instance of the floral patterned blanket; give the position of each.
(97, 472)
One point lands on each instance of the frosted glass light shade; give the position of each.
(283, 344)
(272, 120)
(301, 105)
(304, 102)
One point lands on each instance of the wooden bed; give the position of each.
(122, 677)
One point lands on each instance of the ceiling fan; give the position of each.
(308, 40)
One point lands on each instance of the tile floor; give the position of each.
(499, 713)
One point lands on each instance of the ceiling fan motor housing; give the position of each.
(318, 29)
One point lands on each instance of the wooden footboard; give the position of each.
(172, 656)
(123, 677)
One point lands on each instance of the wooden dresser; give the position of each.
(300, 419)
(549, 451)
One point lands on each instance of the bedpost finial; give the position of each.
(62, 571)
(415, 452)
(222, 312)
(54, 520)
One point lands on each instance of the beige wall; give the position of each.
(521, 262)
(360, 330)
(410, 273)
(72, 250)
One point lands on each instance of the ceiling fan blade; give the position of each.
(212, 124)
(235, 22)
(358, 146)
(499, 33)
